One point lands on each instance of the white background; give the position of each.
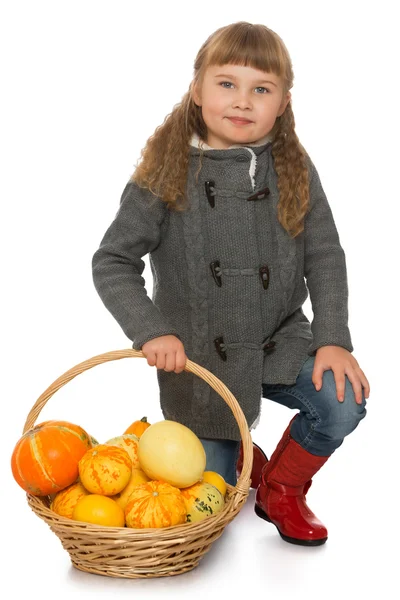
(84, 84)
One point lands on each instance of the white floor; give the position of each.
(353, 494)
(80, 104)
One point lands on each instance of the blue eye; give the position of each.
(228, 83)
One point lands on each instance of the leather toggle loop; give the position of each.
(210, 192)
(264, 274)
(269, 347)
(216, 272)
(260, 195)
(220, 347)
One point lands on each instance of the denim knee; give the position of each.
(342, 417)
(334, 420)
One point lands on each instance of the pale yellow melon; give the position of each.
(171, 452)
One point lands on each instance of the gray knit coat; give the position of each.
(228, 281)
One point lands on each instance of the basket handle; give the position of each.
(243, 483)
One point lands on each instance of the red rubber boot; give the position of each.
(280, 497)
(259, 461)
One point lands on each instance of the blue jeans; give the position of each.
(320, 426)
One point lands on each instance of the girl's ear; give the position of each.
(284, 103)
(195, 93)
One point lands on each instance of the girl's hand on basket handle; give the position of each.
(165, 352)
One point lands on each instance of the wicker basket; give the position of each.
(142, 553)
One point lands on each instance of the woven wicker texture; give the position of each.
(143, 553)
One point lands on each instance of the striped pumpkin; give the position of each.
(155, 504)
(202, 500)
(105, 469)
(45, 459)
(130, 443)
(65, 500)
(137, 478)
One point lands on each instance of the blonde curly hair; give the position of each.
(165, 158)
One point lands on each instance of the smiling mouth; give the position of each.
(239, 121)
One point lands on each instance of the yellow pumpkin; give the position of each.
(171, 452)
(100, 510)
(202, 501)
(130, 443)
(105, 469)
(64, 501)
(155, 504)
(137, 478)
(215, 479)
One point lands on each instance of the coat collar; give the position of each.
(196, 144)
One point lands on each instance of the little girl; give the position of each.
(231, 210)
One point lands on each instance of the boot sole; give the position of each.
(299, 542)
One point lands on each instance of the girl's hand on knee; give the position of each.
(342, 363)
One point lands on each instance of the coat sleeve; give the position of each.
(117, 266)
(325, 272)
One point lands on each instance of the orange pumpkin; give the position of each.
(45, 459)
(105, 469)
(137, 478)
(100, 510)
(138, 427)
(130, 443)
(155, 504)
(65, 500)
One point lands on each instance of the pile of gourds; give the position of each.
(151, 476)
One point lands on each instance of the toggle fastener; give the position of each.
(220, 346)
(260, 195)
(210, 192)
(264, 274)
(216, 272)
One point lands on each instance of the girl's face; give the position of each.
(254, 97)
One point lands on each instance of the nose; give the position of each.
(242, 100)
